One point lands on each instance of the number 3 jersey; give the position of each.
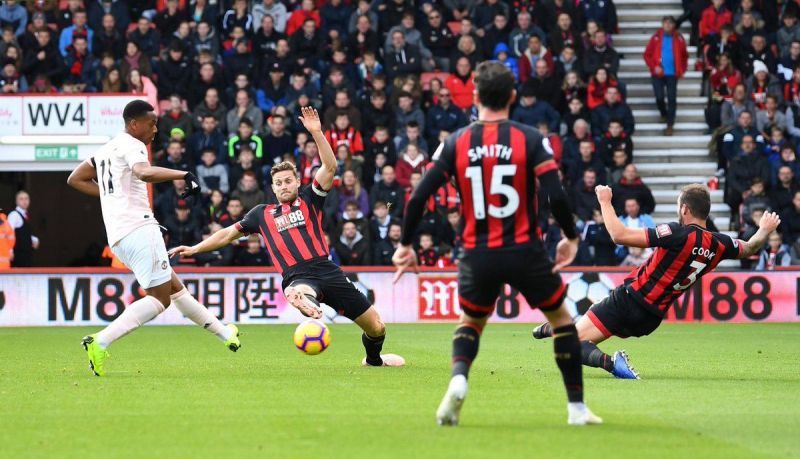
(123, 197)
(293, 231)
(495, 165)
(682, 255)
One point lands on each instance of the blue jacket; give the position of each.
(536, 113)
(66, 39)
(449, 119)
(510, 62)
(15, 16)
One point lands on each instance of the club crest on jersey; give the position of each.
(291, 220)
(663, 230)
(489, 151)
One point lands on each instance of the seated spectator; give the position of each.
(567, 62)
(411, 160)
(426, 253)
(545, 84)
(175, 117)
(381, 221)
(630, 186)
(237, 16)
(723, 79)
(748, 165)
(79, 28)
(402, 58)
(182, 227)
(211, 174)
(787, 34)
(342, 133)
(598, 243)
(205, 39)
(384, 249)
(407, 112)
(732, 141)
(467, 47)
(345, 161)
(140, 84)
(252, 254)
(615, 139)
(377, 113)
(580, 133)
(588, 159)
(584, 199)
(788, 159)
(245, 136)
(534, 52)
(244, 109)
(531, 111)
(613, 108)
(725, 42)
(572, 87)
(234, 212)
(215, 207)
(174, 72)
(758, 51)
(739, 102)
(352, 247)
(460, 84)
(207, 136)
(437, 37)
(219, 257)
(600, 54)
(274, 91)
(246, 162)
(11, 81)
(770, 117)
(353, 214)
(563, 34)
(756, 198)
(166, 201)
(788, 62)
(598, 85)
(619, 160)
(411, 135)
(713, 18)
(633, 216)
(146, 37)
(775, 142)
(351, 190)
(363, 37)
(247, 191)
(762, 84)
(636, 256)
(444, 115)
(554, 139)
(79, 64)
(576, 111)
(307, 44)
(174, 159)
(782, 192)
(207, 77)
(790, 219)
(776, 253)
(278, 142)
(388, 190)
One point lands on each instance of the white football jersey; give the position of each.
(123, 197)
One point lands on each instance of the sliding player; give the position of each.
(684, 252)
(119, 173)
(292, 231)
(495, 163)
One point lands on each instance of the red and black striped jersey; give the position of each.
(682, 255)
(292, 232)
(495, 165)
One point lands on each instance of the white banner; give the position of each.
(59, 114)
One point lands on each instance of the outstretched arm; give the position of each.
(620, 234)
(216, 241)
(769, 223)
(83, 179)
(155, 174)
(324, 175)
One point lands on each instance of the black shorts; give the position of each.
(481, 275)
(620, 315)
(331, 286)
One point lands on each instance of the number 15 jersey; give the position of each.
(683, 254)
(495, 165)
(123, 197)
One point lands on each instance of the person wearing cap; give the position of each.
(273, 91)
(667, 58)
(761, 84)
(182, 227)
(28, 39)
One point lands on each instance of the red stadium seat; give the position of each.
(455, 27)
(426, 77)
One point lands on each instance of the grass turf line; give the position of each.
(708, 391)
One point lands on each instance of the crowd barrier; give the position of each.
(96, 296)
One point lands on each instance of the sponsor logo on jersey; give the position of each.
(291, 220)
(663, 230)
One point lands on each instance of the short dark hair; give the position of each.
(495, 84)
(245, 120)
(136, 109)
(697, 199)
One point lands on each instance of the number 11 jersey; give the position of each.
(123, 197)
(495, 165)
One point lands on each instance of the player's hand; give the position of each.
(310, 119)
(182, 251)
(565, 253)
(769, 221)
(603, 193)
(404, 259)
(192, 185)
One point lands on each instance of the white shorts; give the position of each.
(144, 253)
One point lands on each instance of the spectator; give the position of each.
(7, 240)
(389, 191)
(353, 214)
(11, 81)
(79, 64)
(666, 56)
(587, 158)
(175, 117)
(245, 136)
(205, 39)
(613, 108)
(337, 82)
(787, 62)
(252, 254)
(597, 241)
(759, 52)
(381, 221)
(411, 160)
(139, 83)
(532, 111)
(723, 79)
(411, 135)
(545, 84)
(731, 109)
(352, 247)
(619, 160)
(169, 19)
(234, 211)
(246, 163)
(444, 115)
(780, 197)
(14, 15)
(614, 139)
(307, 44)
(426, 253)
(384, 249)
(598, 86)
(713, 18)
(182, 227)
(633, 216)
(407, 111)
(503, 55)
(275, 10)
(215, 207)
(43, 60)
(135, 59)
(790, 219)
(439, 39)
(146, 37)
(776, 253)
(528, 59)
(756, 198)
(212, 176)
(351, 190)
(551, 10)
(748, 165)
(345, 161)
(725, 42)
(600, 54)
(762, 84)
(108, 37)
(174, 158)
(278, 142)
(207, 136)
(460, 85)
(25, 242)
(563, 35)
(788, 159)
(580, 132)
(245, 109)
(378, 113)
(402, 58)
(298, 17)
(79, 28)
(732, 141)
(247, 191)
(636, 256)
(342, 105)
(467, 47)
(206, 78)
(631, 186)
(604, 13)
(363, 9)
(584, 199)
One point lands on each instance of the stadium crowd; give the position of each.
(392, 78)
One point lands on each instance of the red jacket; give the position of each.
(350, 137)
(526, 68)
(460, 92)
(724, 82)
(596, 92)
(298, 17)
(712, 20)
(652, 54)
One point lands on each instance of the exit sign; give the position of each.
(56, 153)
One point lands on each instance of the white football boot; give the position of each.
(450, 408)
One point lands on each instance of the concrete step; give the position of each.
(671, 197)
(664, 142)
(636, 39)
(680, 128)
(672, 155)
(673, 170)
(636, 63)
(646, 89)
(686, 115)
(684, 102)
(646, 26)
(638, 50)
(722, 221)
(630, 14)
(674, 182)
(629, 75)
(649, 4)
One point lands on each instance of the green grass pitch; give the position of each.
(708, 391)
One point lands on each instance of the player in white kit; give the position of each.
(118, 173)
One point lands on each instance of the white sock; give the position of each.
(199, 314)
(135, 315)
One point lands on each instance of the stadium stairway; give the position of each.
(665, 163)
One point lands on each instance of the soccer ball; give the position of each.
(586, 289)
(312, 337)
